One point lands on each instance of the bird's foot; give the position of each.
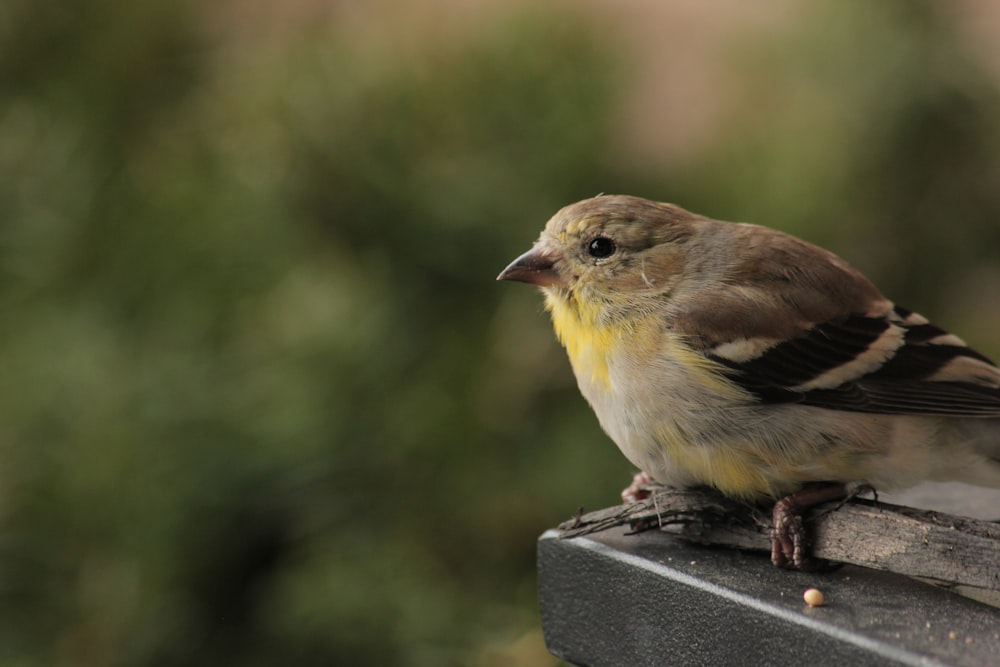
(637, 490)
(789, 545)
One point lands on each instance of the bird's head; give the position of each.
(611, 249)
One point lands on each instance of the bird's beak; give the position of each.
(535, 266)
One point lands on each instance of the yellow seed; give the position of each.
(813, 597)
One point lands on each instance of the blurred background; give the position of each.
(261, 400)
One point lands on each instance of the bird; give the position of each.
(739, 357)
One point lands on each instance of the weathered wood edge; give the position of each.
(878, 535)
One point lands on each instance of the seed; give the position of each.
(813, 597)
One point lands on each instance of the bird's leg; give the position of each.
(854, 489)
(788, 538)
(637, 490)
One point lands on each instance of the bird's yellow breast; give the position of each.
(642, 410)
(588, 343)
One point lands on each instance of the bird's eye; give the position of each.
(600, 247)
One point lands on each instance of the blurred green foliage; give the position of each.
(261, 401)
(258, 404)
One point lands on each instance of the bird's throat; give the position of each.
(587, 340)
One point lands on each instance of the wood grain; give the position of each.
(878, 535)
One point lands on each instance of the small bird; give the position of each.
(742, 358)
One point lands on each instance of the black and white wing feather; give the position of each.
(897, 363)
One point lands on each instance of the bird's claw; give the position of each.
(788, 539)
(788, 535)
(637, 490)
